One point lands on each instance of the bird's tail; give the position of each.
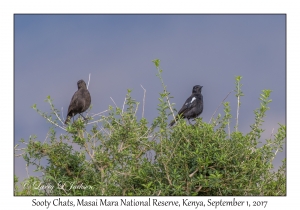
(176, 118)
(172, 123)
(68, 119)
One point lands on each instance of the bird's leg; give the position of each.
(85, 119)
(190, 122)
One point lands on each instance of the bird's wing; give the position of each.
(73, 101)
(188, 104)
(195, 107)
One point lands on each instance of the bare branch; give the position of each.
(159, 193)
(170, 105)
(143, 100)
(192, 174)
(94, 136)
(218, 107)
(96, 121)
(101, 169)
(51, 121)
(237, 114)
(113, 101)
(20, 149)
(165, 91)
(88, 81)
(121, 147)
(272, 133)
(99, 113)
(228, 129)
(105, 131)
(55, 124)
(46, 138)
(167, 173)
(137, 106)
(95, 143)
(20, 154)
(54, 111)
(62, 113)
(27, 170)
(58, 117)
(199, 188)
(123, 105)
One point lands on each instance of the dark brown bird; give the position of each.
(192, 107)
(80, 101)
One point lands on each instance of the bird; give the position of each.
(192, 107)
(80, 101)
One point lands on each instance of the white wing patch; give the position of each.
(193, 99)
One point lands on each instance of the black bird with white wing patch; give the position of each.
(192, 107)
(80, 101)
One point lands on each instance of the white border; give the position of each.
(9, 8)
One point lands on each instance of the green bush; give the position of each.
(121, 155)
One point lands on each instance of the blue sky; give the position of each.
(52, 52)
